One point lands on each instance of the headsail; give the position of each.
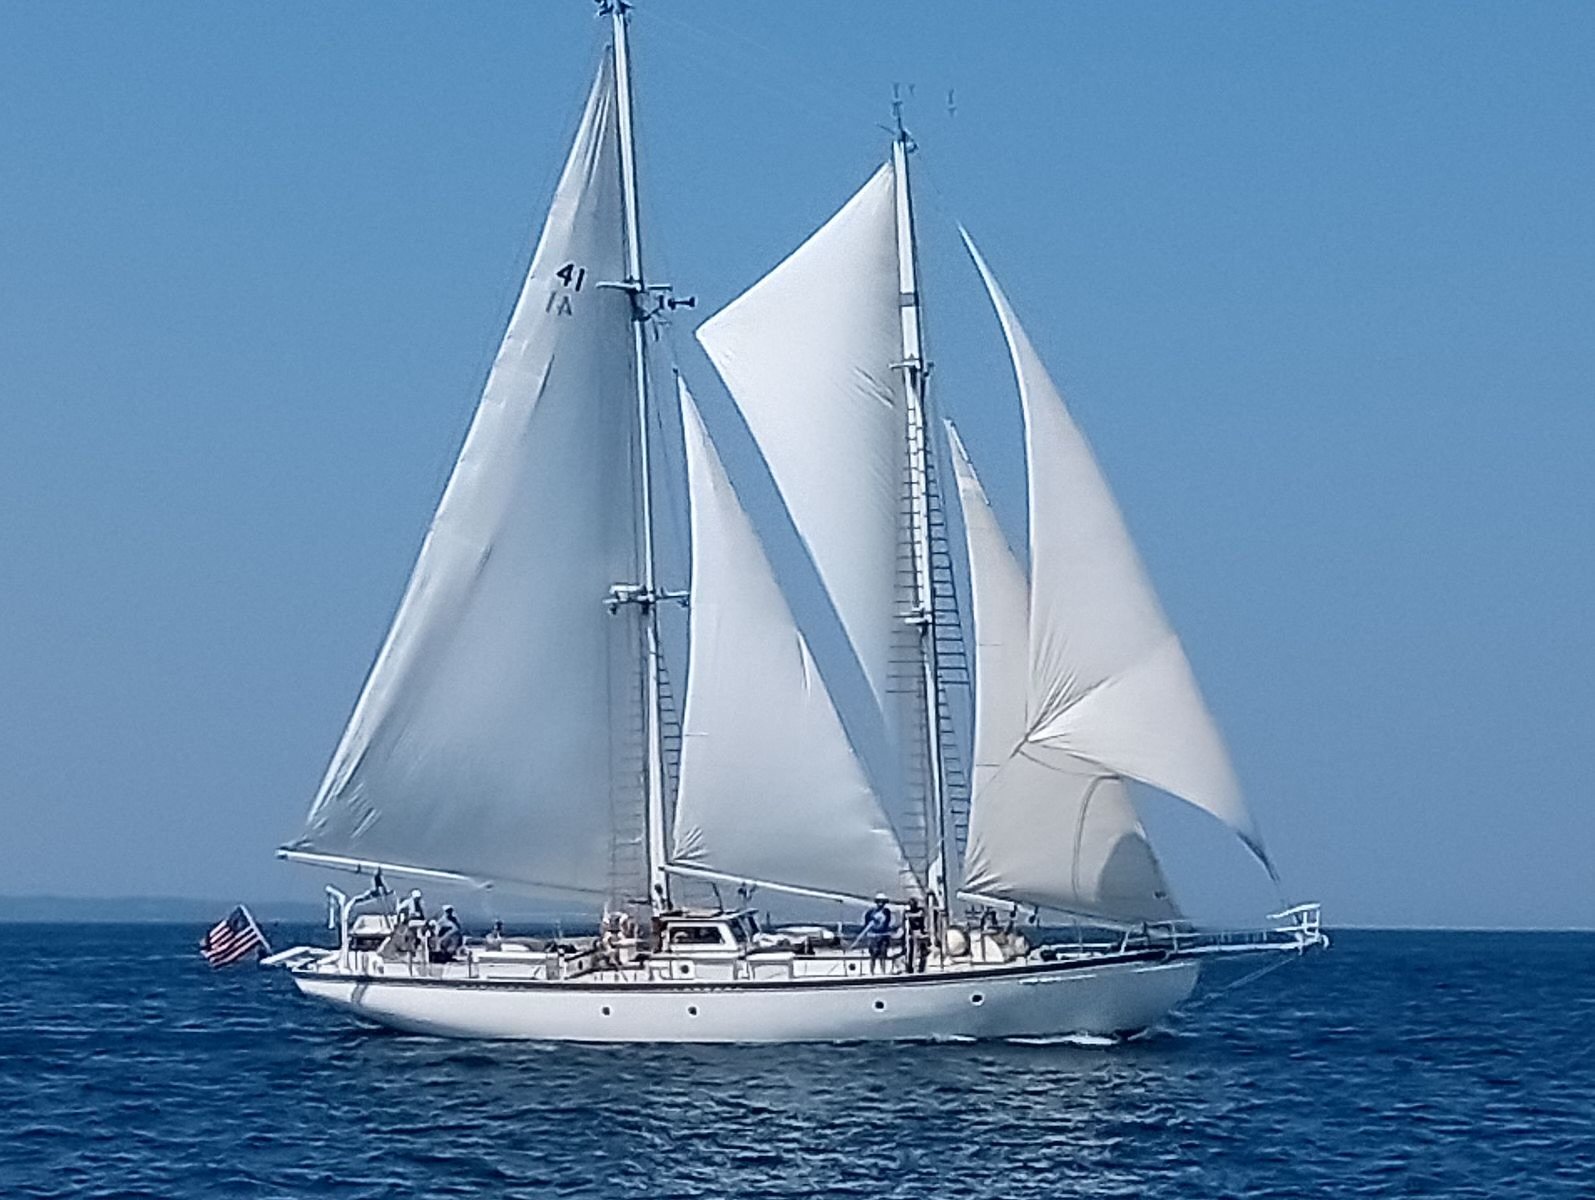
(1045, 827)
(808, 354)
(770, 789)
(486, 738)
(1000, 606)
(1109, 681)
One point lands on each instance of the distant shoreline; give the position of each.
(145, 910)
(183, 910)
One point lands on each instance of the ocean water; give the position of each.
(1395, 1064)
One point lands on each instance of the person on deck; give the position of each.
(916, 938)
(450, 935)
(877, 933)
(410, 908)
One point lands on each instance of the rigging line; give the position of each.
(1250, 977)
(665, 355)
(819, 101)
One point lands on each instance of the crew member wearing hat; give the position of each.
(877, 933)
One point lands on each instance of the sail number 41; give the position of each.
(571, 278)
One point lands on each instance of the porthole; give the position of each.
(605, 1010)
(880, 1006)
(977, 998)
(692, 1010)
(852, 966)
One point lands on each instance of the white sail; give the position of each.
(808, 355)
(1000, 608)
(1052, 830)
(1045, 828)
(483, 740)
(1109, 681)
(770, 789)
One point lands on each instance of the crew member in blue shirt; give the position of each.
(877, 933)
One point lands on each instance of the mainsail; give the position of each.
(489, 738)
(770, 789)
(1046, 827)
(808, 354)
(1109, 683)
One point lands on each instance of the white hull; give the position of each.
(1030, 999)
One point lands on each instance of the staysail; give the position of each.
(1000, 608)
(1109, 683)
(486, 740)
(1046, 828)
(808, 354)
(770, 789)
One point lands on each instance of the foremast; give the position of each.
(647, 595)
(922, 614)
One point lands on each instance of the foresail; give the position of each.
(1055, 831)
(482, 742)
(770, 790)
(1000, 608)
(808, 354)
(1045, 828)
(1110, 683)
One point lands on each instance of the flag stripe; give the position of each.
(231, 953)
(231, 939)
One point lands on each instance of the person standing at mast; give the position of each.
(916, 938)
(877, 933)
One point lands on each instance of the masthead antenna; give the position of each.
(898, 131)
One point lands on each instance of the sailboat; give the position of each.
(519, 726)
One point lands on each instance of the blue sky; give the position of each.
(1317, 279)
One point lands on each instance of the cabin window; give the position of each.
(697, 935)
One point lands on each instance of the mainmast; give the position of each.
(647, 596)
(923, 615)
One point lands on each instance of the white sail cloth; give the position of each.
(807, 354)
(1109, 682)
(482, 742)
(1045, 827)
(770, 790)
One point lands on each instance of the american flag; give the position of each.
(230, 940)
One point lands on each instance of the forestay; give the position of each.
(1109, 682)
(482, 740)
(1045, 828)
(770, 789)
(808, 354)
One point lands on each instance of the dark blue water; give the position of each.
(1394, 1065)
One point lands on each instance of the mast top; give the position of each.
(899, 133)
